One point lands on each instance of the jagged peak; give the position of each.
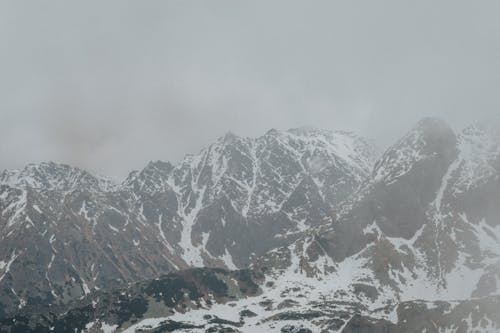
(355, 150)
(52, 175)
(153, 167)
(153, 175)
(429, 137)
(273, 132)
(310, 132)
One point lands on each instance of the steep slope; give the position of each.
(268, 189)
(64, 232)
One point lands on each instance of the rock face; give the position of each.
(65, 232)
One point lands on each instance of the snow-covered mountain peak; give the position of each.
(430, 138)
(54, 176)
(273, 132)
(152, 178)
(348, 147)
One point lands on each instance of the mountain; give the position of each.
(65, 233)
(423, 228)
(268, 189)
(416, 248)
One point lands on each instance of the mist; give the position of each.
(110, 86)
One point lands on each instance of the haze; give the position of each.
(111, 85)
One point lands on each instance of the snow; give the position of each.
(113, 229)
(85, 287)
(488, 237)
(108, 328)
(49, 266)
(372, 229)
(89, 325)
(227, 258)
(162, 234)
(84, 211)
(35, 207)
(438, 202)
(191, 253)
(16, 208)
(53, 176)
(5, 265)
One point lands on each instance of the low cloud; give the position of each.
(110, 86)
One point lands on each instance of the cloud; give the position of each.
(109, 86)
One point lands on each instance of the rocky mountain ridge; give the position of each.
(415, 248)
(65, 232)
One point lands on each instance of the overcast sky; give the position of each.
(110, 85)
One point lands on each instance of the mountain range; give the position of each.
(296, 231)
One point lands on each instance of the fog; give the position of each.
(110, 85)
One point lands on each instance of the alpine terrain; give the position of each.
(294, 232)
(65, 232)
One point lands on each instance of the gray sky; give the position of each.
(110, 85)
